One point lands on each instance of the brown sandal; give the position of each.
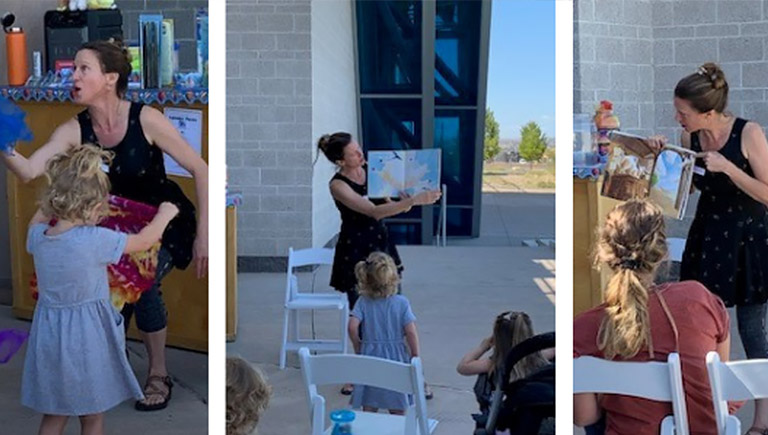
(154, 387)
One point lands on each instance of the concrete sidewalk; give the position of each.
(187, 413)
(456, 293)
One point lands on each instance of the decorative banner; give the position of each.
(147, 96)
(134, 273)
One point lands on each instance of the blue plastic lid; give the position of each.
(342, 416)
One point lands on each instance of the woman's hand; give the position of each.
(715, 161)
(487, 343)
(657, 142)
(200, 250)
(426, 197)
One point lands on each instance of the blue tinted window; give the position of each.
(455, 135)
(389, 46)
(457, 46)
(459, 221)
(391, 123)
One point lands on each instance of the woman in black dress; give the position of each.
(362, 231)
(727, 245)
(138, 136)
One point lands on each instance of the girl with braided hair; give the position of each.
(643, 321)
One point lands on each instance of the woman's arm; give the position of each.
(162, 133)
(586, 410)
(755, 149)
(471, 364)
(153, 232)
(344, 194)
(412, 338)
(27, 169)
(353, 328)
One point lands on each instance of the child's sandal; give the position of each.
(154, 387)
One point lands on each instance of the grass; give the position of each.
(518, 177)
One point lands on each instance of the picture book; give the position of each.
(395, 171)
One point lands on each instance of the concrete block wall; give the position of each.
(183, 14)
(613, 54)
(730, 32)
(269, 128)
(682, 35)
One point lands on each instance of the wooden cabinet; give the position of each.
(185, 296)
(231, 273)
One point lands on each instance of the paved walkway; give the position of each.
(187, 413)
(456, 292)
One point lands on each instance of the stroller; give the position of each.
(523, 406)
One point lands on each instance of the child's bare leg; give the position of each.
(92, 424)
(370, 409)
(397, 411)
(52, 424)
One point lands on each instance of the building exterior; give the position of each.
(396, 74)
(634, 52)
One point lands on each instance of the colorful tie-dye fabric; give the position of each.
(12, 125)
(10, 343)
(134, 273)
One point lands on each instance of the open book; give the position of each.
(635, 171)
(395, 171)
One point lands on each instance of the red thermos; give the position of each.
(16, 50)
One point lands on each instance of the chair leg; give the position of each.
(344, 335)
(285, 338)
(296, 326)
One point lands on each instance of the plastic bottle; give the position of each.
(16, 51)
(342, 421)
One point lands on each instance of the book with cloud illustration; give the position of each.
(394, 171)
(635, 171)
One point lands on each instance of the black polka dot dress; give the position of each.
(727, 246)
(359, 236)
(137, 172)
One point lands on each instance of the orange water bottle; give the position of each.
(16, 50)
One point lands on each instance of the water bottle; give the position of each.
(16, 51)
(342, 421)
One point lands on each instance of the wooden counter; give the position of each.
(231, 273)
(186, 297)
(589, 211)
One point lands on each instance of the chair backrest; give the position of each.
(650, 380)
(304, 257)
(357, 369)
(735, 380)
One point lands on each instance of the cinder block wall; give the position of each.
(269, 130)
(682, 35)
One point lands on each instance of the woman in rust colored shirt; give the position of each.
(641, 321)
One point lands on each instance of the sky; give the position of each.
(521, 65)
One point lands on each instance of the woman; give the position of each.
(642, 321)
(362, 231)
(138, 136)
(726, 248)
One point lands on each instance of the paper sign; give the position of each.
(189, 123)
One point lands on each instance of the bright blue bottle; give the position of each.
(342, 421)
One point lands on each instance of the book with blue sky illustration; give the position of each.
(635, 171)
(395, 171)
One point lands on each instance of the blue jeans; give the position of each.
(751, 320)
(151, 315)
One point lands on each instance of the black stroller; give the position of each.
(525, 406)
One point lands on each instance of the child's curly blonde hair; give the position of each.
(377, 276)
(77, 184)
(247, 396)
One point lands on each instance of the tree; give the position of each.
(533, 143)
(491, 143)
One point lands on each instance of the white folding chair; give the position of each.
(296, 301)
(650, 380)
(735, 380)
(377, 372)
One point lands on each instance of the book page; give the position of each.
(671, 180)
(386, 173)
(422, 170)
(627, 175)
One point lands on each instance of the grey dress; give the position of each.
(75, 362)
(382, 329)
